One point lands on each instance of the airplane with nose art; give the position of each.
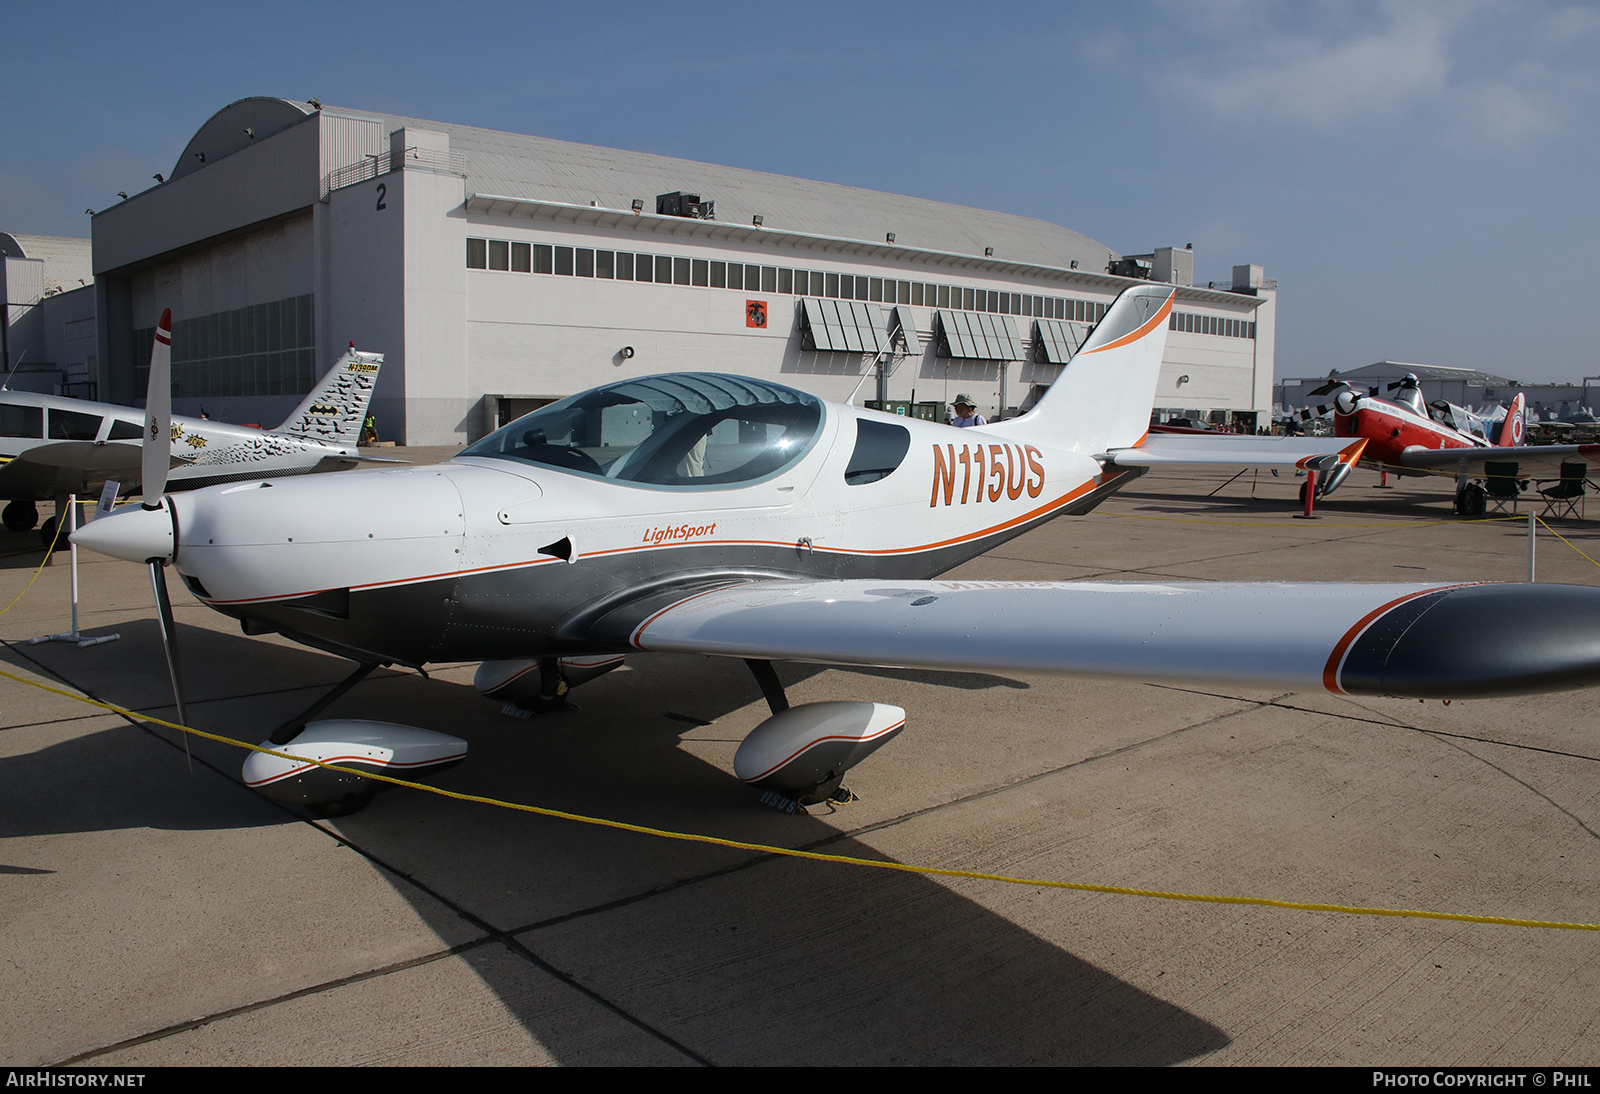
(716, 514)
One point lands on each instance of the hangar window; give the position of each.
(499, 254)
(624, 265)
(585, 262)
(603, 263)
(690, 430)
(880, 448)
(477, 254)
(719, 275)
(769, 279)
(544, 258)
(521, 258)
(736, 275)
(564, 261)
(260, 349)
(699, 272)
(786, 281)
(680, 271)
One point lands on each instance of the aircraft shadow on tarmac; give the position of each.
(738, 956)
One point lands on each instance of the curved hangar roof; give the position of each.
(541, 169)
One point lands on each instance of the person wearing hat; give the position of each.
(965, 411)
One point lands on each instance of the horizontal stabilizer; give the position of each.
(1241, 450)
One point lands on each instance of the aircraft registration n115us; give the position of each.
(714, 514)
(52, 446)
(1406, 435)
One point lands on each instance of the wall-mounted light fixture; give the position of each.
(1074, 263)
(889, 238)
(627, 352)
(638, 206)
(988, 252)
(757, 220)
(1184, 379)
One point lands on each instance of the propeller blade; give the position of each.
(157, 453)
(1330, 386)
(169, 643)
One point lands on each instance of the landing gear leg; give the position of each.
(771, 686)
(293, 727)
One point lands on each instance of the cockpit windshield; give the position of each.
(687, 430)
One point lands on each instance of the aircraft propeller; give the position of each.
(155, 458)
(1345, 401)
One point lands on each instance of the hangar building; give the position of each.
(497, 271)
(48, 342)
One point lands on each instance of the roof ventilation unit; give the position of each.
(680, 204)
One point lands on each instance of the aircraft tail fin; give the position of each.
(1104, 395)
(337, 406)
(1513, 429)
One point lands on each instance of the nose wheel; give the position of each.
(20, 516)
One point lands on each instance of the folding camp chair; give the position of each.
(1501, 486)
(1565, 498)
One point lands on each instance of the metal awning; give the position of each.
(977, 336)
(842, 326)
(908, 328)
(1056, 340)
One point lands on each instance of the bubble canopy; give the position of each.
(685, 430)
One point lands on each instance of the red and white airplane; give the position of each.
(1406, 435)
(715, 514)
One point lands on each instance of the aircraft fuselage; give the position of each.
(487, 558)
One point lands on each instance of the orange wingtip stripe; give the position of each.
(1331, 671)
(1149, 325)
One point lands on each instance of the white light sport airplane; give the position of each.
(714, 514)
(51, 446)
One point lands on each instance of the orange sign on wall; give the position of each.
(755, 313)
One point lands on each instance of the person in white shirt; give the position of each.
(965, 412)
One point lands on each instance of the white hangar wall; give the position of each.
(477, 264)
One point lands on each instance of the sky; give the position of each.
(1418, 176)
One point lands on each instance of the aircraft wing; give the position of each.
(1239, 450)
(1534, 461)
(1416, 641)
(71, 467)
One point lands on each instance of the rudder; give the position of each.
(1106, 390)
(337, 406)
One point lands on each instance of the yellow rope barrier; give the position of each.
(818, 856)
(1562, 538)
(1284, 523)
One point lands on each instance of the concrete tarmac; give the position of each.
(153, 915)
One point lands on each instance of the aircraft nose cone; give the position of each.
(132, 532)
